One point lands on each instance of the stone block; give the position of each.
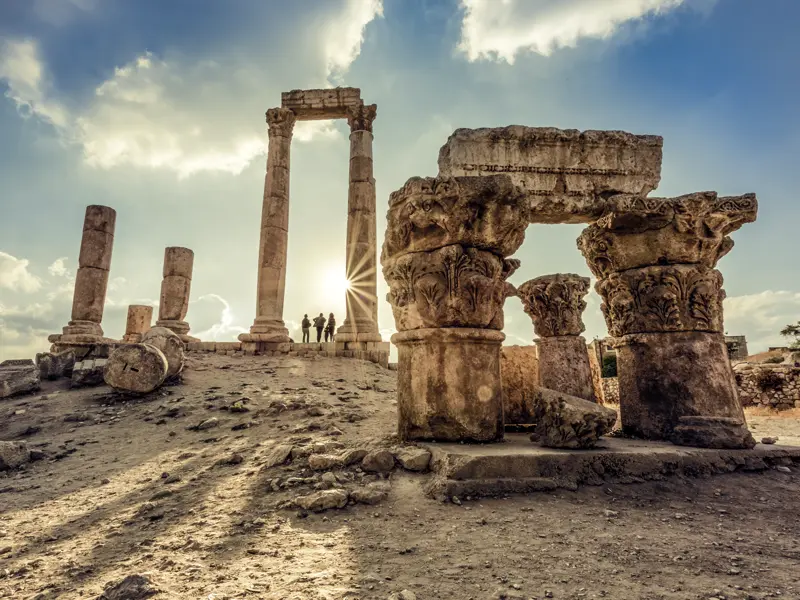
(136, 368)
(13, 455)
(564, 421)
(170, 345)
(89, 372)
(317, 104)
(55, 365)
(195, 346)
(519, 368)
(18, 377)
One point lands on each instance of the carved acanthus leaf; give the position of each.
(555, 303)
(280, 122)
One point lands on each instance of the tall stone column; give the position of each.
(361, 322)
(91, 281)
(175, 289)
(662, 300)
(140, 316)
(555, 304)
(447, 273)
(268, 325)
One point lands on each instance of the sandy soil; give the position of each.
(128, 489)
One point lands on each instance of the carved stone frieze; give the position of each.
(662, 299)
(635, 231)
(454, 286)
(360, 117)
(427, 213)
(555, 303)
(281, 122)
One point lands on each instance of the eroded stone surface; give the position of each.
(53, 365)
(555, 303)
(413, 459)
(89, 372)
(564, 421)
(565, 174)
(170, 345)
(378, 461)
(332, 103)
(132, 587)
(323, 500)
(18, 377)
(427, 213)
(519, 367)
(175, 290)
(137, 368)
(140, 317)
(13, 455)
(564, 366)
(712, 432)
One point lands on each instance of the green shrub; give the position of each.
(610, 365)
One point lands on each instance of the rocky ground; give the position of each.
(196, 487)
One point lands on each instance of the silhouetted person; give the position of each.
(330, 328)
(306, 325)
(319, 324)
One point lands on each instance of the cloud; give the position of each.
(761, 316)
(14, 275)
(57, 269)
(499, 30)
(212, 319)
(343, 36)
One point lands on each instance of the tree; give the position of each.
(610, 365)
(792, 331)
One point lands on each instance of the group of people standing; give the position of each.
(320, 324)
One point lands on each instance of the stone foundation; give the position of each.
(770, 386)
(376, 352)
(610, 390)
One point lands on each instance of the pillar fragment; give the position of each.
(140, 316)
(555, 304)
(361, 321)
(175, 290)
(268, 325)
(662, 301)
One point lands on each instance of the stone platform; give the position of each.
(376, 352)
(518, 466)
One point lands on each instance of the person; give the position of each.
(319, 324)
(330, 328)
(306, 325)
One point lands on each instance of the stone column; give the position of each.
(555, 304)
(91, 281)
(140, 316)
(662, 300)
(175, 288)
(447, 275)
(268, 325)
(361, 322)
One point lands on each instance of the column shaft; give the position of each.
(176, 286)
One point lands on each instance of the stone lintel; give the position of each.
(320, 104)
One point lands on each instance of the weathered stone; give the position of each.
(373, 493)
(170, 345)
(132, 587)
(331, 103)
(488, 213)
(448, 384)
(378, 461)
(403, 595)
(175, 290)
(519, 368)
(555, 303)
(565, 174)
(564, 421)
(89, 372)
(595, 352)
(277, 455)
(54, 365)
(413, 459)
(13, 455)
(323, 500)
(323, 462)
(712, 432)
(140, 317)
(455, 286)
(564, 366)
(18, 377)
(137, 368)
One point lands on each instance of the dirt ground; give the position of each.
(127, 489)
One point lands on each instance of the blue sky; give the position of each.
(157, 109)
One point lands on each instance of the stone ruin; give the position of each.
(447, 256)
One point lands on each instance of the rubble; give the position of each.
(13, 455)
(564, 421)
(18, 377)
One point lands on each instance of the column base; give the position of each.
(267, 330)
(179, 327)
(712, 432)
(360, 331)
(80, 328)
(564, 366)
(667, 377)
(449, 385)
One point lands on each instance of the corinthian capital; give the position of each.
(280, 122)
(555, 303)
(360, 117)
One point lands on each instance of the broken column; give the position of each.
(136, 368)
(444, 259)
(662, 300)
(140, 316)
(175, 288)
(91, 281)
(268, 325)
(555, 304)
(361, 322)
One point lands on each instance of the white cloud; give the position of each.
(14, 275)
(500, 29)
(58, 269)
(211, 308)
(761, 316)
(343, 36)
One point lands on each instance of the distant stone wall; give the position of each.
(610, 390)
(773, 386)
(377, 352)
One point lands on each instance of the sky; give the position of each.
(156, 108)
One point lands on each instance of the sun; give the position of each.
(335, 283)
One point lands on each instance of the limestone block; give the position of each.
(89, 297)
(321, 103)
(18, 377)
(564, 366)
(140, 317)
(555, 303)
(519, 368)
(429, 213)
(454, 286)
(170, 345)
(563, 172)
(564, 421)
(89, 372)
(712, 432)
(412, 458)
(323, 500)
(178, 262)
(96, 249)
(55, 365)
(137, 368)
(13, 455)
(448, 384)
